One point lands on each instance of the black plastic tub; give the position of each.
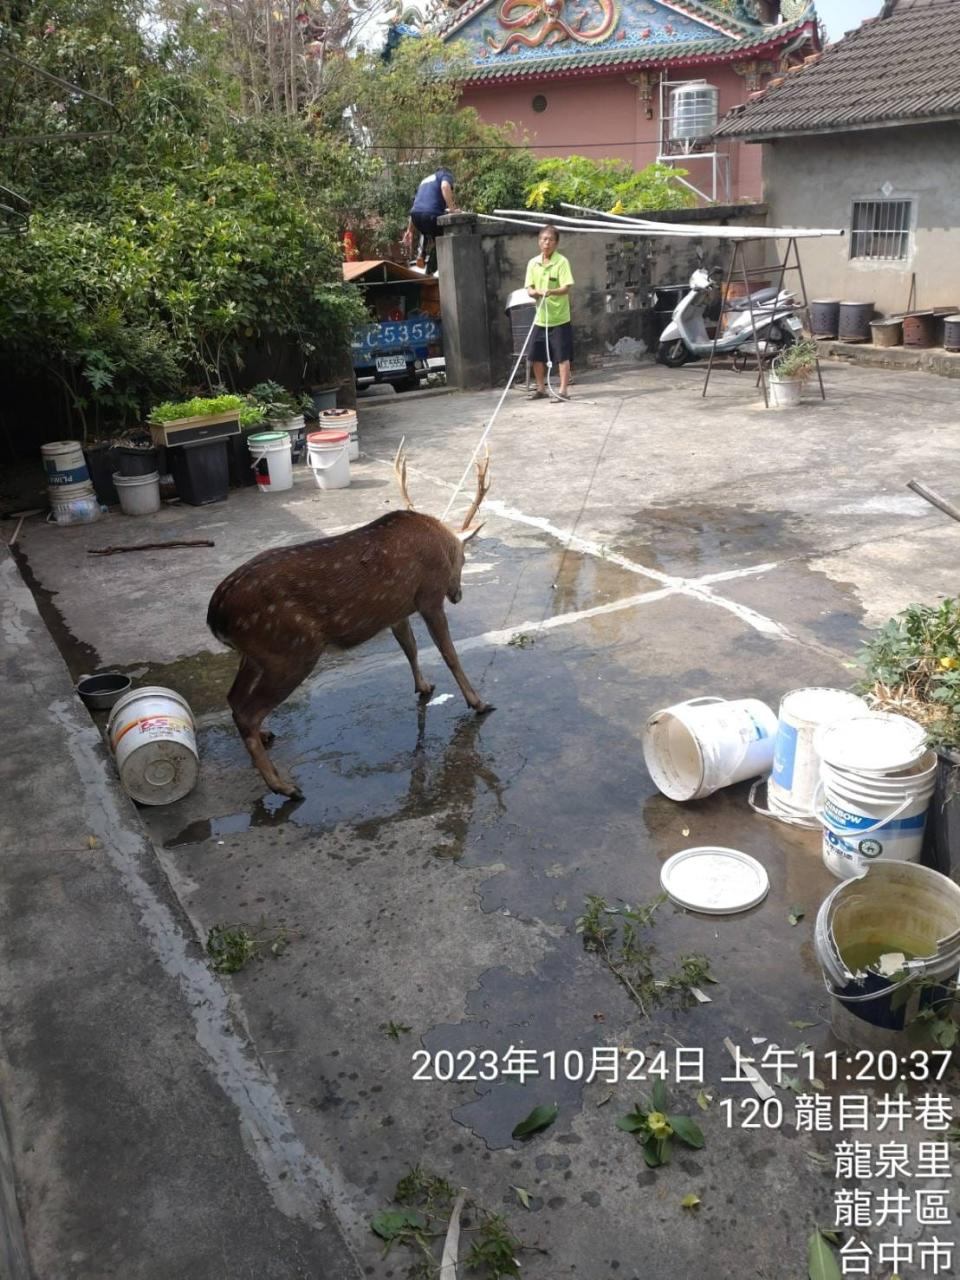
(200, 472)
(941, 836)
(101, 463)
(135, 462)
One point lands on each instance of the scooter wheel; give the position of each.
(673, 354)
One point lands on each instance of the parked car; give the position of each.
(402, 344)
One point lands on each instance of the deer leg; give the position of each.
(407, 642)
(436, 621)
(246, 680)
(256, 692)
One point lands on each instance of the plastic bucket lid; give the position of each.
(714, 880)
(874, 742)
(269, 437)
(325, 439)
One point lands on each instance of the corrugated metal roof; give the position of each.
(391, 270)
(895, 69)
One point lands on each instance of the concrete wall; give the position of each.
(482, 263)
(601, 116)
(813, 182)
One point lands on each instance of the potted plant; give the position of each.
(912, 667)
(790, 370)
(196, 432)
(283, 411)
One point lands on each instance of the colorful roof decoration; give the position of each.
(514, 39)
(900, 68)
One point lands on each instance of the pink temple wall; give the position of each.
(599, 116)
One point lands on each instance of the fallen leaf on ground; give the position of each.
(704, 1099)
(796, 915)
(539, 1118)
(451, 1246)
(800, 1024)
(821, 1263)
(523, 1195)
(690, 1201)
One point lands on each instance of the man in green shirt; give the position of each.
(548, 280)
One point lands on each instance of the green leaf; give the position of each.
(523, 1195)
(704, 1099)
(690, 1201)
(832, 1236)
(633, 1122)
(821, 1264)
(659, 1096)
(390, 1223)
(651, 1152)
(686, 1130)
(796, 915)
(539, 1118)
(800, 1024)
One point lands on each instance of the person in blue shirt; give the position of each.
(434, 198)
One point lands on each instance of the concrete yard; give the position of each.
(642, 546)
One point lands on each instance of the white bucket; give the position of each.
(139, 495)
(296, 429)
(64, 464)
(329, 459)
(272, 460)
(151, 734)
(895, 907)
(784, 392)
(343, 420)
(694, 748)
(796, 764)
(74, 504)
(863, 822)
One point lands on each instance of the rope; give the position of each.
(486, 431)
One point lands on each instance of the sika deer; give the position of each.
(281, 609)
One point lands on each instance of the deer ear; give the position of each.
(465, 535)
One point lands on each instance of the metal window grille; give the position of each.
(881, 229)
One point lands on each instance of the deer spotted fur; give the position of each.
(284, 607)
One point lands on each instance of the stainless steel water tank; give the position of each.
(694, 109)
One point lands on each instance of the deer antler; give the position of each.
(400, 472)
(483, 485)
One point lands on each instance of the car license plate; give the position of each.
(391, 364)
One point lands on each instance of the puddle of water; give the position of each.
(697, 538)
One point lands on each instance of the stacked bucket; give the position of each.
(69, 488)
(877, 777)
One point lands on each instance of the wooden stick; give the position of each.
(16, 532)
(934, 499)
(146, 546)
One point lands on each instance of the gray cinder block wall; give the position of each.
(481, 263)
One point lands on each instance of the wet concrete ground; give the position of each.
(642, 546)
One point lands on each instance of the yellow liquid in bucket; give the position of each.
(866, 955)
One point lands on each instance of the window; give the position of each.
(539, 103)
(880, 229)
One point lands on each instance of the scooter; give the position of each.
(774, 322)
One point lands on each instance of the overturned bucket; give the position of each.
(152, 735)
(909, 916)
(694, 748)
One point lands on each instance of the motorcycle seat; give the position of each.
(741, 304)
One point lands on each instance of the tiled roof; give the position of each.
(895, 69)
(719, 49)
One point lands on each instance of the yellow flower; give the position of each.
(950, 664)
(658, 1124)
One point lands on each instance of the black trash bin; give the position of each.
(200, 472)
(666, 299)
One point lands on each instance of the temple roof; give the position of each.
(900, 68)
(508, 40)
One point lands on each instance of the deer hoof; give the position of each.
(426, 691)
(288, 789)
(267, 737)
(484, 708)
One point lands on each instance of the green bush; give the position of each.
(608, 185)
